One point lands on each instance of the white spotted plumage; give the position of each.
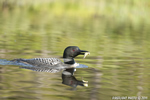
(52, 65)
(41, 61)
(48, 61)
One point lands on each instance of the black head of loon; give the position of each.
(72, 52)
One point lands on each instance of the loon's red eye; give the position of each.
(73, 50)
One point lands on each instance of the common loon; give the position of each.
(54, 65)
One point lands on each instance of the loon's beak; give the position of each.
(85, 53)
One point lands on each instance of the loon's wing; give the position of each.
(52, 65)
(39, 62)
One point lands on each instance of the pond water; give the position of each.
(118, 64)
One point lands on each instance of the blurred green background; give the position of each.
(115, 27)
(116, 32)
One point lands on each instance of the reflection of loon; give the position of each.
(70, 80)
(53, 64)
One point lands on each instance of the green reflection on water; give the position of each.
(115, 32)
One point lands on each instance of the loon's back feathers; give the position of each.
(51, 65)
(38, 62)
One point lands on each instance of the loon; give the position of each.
(54, 65)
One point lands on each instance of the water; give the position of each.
(118, 64)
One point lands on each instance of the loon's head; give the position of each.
(73, 51)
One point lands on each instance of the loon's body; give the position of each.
(53, 65)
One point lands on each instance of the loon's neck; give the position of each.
(69, 61)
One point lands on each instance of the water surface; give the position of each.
(119, 45)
